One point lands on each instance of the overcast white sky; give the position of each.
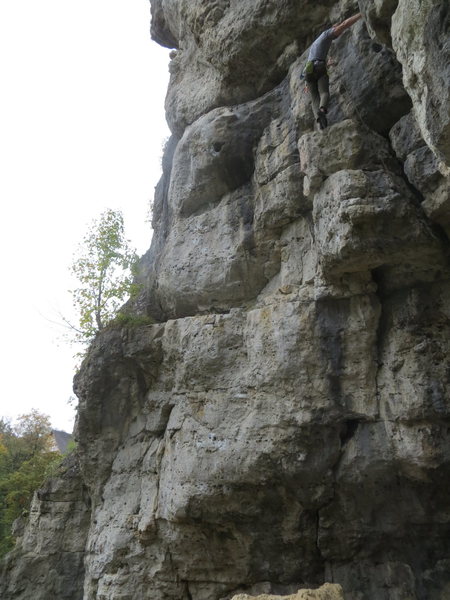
(81, 130)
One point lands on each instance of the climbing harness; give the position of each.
(313, 70)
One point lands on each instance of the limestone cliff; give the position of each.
(286, 421)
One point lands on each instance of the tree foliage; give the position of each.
(26, 455)
(104, 267)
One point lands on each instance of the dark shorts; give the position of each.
(319, 70)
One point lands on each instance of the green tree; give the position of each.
(26, 456)
(32, 434)
(104, 266)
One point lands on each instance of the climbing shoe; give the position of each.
(322, 118)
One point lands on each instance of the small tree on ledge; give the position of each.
(104, 267)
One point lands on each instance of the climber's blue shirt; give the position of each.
(319, 48)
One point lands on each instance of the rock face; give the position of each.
(286, 420)
(326, 592)
(49, 555)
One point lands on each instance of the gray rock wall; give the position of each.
(48, 561)
(286, 420)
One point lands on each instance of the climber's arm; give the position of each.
(341, 27)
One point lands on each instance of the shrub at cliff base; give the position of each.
(26, 456)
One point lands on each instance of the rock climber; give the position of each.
(315, 71)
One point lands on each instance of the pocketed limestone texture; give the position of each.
(285, 422)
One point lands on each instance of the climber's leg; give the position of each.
(323, 86)
(315, 96)
(324, 97)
